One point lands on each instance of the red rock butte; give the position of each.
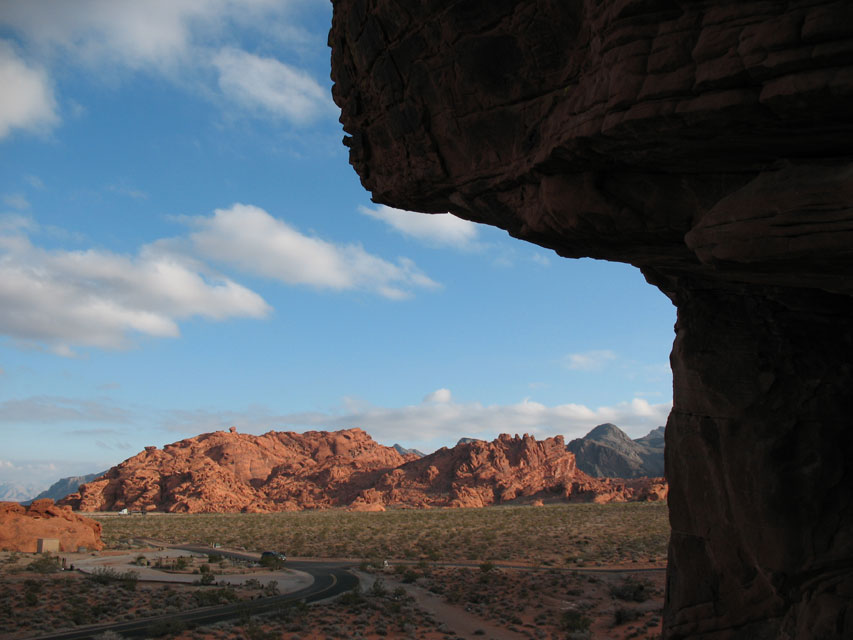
(708, 144)
(21, 527)
(286, 471)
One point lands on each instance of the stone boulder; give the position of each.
(21, 527)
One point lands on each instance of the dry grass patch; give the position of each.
(558, 535)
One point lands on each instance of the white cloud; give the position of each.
(96, 298)
(186, 41)
(27, 100)
(438, 420)
(252, 240)
(437, 229)
(589, 360)
(155, 33)
(439, 395)
(270, 86)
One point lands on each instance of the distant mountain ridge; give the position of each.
(608, 452)
(64, 486)
(404, 452)
(287, 471)
(14, 492)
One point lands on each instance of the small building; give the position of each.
(44, 545)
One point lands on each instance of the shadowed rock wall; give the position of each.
(710, 144)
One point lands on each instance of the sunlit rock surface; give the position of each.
(709, 144)
(22, 526)
(286, 471)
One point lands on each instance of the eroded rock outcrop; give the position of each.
(708, 144)
(477, 473)
(21, 527)
(230, 471)
(286, 471)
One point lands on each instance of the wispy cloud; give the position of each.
(27, 100)
(437, 229)
(253, 241)
(16, 201)
(271, 87)
(594, 360)
(58, 409)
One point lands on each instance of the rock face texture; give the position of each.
(608, 452)
(477, 473)
(21, 527)
(710, 144)
(284, 471)
(229, 471)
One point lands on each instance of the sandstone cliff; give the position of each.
(708, 144)
(21, 527)
(279, 471)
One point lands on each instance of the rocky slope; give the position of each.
(708, 144)
(21, 527)
(608, 452)
(278, 471)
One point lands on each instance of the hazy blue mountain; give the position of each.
(14, 492)
(607, 451)
(64, 486)
(403, 451)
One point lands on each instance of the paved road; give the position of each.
(330, 579)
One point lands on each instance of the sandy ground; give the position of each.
(288, 580)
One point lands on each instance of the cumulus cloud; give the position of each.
(270, 86)
(589, 360)
(437, 229)
(27, 100)
(59, 298)
(438, 420)
(252, 240)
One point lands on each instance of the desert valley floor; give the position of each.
(539, 572)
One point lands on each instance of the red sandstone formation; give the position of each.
(478, 473)
(710, 144)
(230, 471)
(21, 527)
(283, 471)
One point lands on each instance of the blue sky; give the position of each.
(184, 247)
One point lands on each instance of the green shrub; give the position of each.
(573, 620)
(45, 563)
(624, 615)
(631, 590)
(108, 575)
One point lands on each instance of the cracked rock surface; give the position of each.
(710, 144)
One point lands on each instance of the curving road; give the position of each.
(330, 579)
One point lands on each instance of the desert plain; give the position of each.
(517, 571)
